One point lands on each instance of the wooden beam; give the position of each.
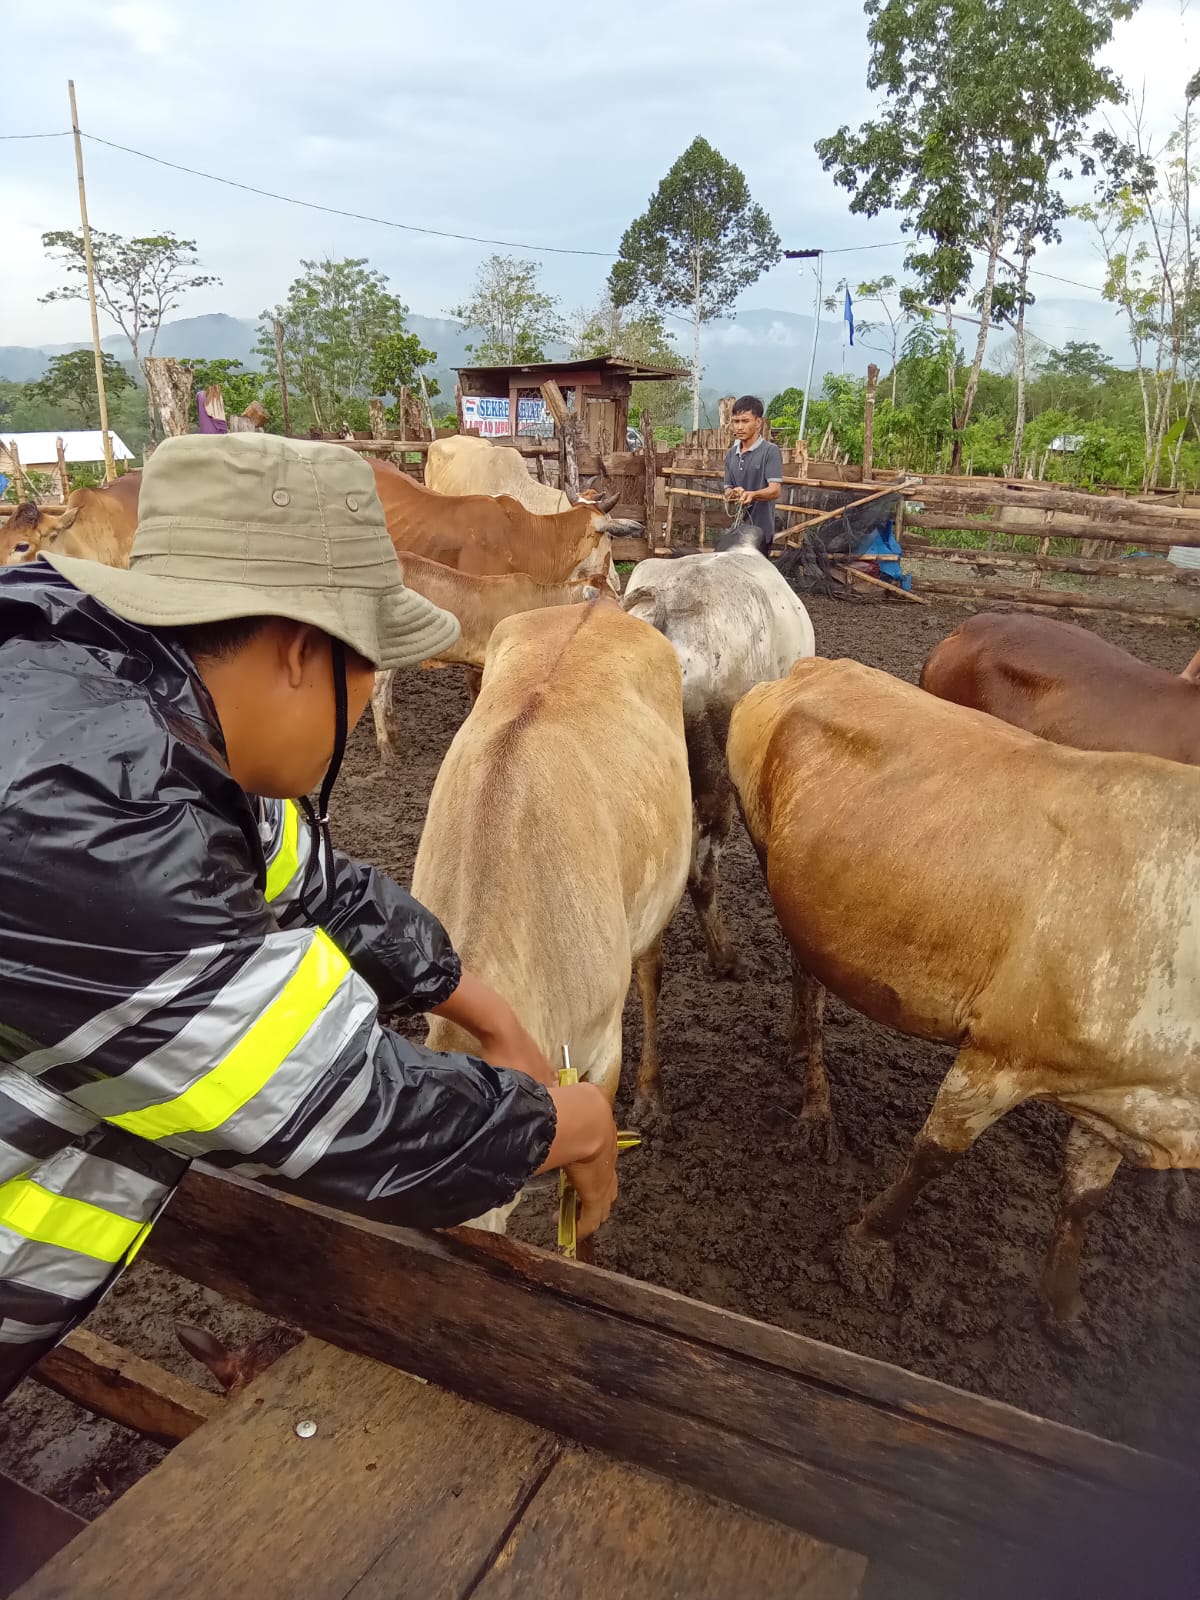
(892, 588)
(114, 1383)
(650, 473)
(869, 421)
(1059, 599)
(1148, 570)
(955, 1488)
(32, 1530)
(1063, 526)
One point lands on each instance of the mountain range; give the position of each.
(758, 352)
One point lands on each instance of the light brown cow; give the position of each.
(486, 535)
(467, 464)
(479, 604)
(559, 831)
(961, 880)
(98, 525)
(1065, 684)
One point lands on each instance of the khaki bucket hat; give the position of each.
(248, 525)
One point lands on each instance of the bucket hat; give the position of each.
(249, 524)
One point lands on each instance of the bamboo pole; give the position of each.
(110, 466)
(277, 326)
(892, 588)
(64, 480)
(18, 474)
(869, 421)
(650, 472)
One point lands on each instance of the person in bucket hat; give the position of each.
(188, 968)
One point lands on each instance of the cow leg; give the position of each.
(1089, 1163)
(384, 715)
(976, 1092)
(474, 682)
(713, 801)
(817, 1135)
(648, 1110)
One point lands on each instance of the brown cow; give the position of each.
(960, 880)
(479, 604)
(1065, 684)
(22, 532)
(486, 534)
(98, 524)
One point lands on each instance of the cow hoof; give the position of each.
(728, 969)
(649, 1114)
(1064, 1324)
(866, 1264)
(817, 1137)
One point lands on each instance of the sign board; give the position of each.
(490, 416)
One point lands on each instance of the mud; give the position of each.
(723, 1205)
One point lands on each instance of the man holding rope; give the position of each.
(753, 471)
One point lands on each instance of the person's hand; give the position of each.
(585, 1146)
(731, 493)
(740, 497)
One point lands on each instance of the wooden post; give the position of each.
(703, 526)
(566, 425)
(428, 407)
(110, 467)
(651, 461)
(869, 421)
(378, 421)
(458, 406)
(18, 475)
(802, 458)
(724, 420)
(64, 480)
(169, 387)
(281, 367)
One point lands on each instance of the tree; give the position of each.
(70, 380)
(238, 386)
(698, 244)
(517, 319)
(335, 314)
(609, 330)
(138, 281)
(986, 106)
(880, 292)
(396, 363)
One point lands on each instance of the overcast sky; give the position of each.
(547, 126)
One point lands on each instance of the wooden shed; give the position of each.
(597, 389)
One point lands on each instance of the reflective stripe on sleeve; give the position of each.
(55, 1219)
(285, 863)
(249, 1065)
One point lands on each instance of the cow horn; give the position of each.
(571, 494)
(606, 502)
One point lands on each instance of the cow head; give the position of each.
(22, 533)
(622, 527)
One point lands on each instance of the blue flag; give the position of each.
(849, 315)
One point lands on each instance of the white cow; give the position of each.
(734, 623)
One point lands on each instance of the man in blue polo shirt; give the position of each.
(753, 470)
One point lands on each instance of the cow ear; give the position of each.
(26, 515)
(67, 520)
(204, 1347)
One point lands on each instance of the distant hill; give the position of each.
(761, 352)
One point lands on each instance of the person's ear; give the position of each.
(301, 643)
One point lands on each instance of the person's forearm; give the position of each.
(585, 1126)
(477, 1008)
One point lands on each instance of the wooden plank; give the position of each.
(1148, 569)
(882, 583)
(1062, 599)
(114, 1383)
(246, 1507)
(32, 1529)
(597, 1528)
(947, 1485)
(629, 549)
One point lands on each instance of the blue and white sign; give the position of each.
(490, 416)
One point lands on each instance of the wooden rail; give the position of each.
(955, 1489)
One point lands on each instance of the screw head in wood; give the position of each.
(305, 1430)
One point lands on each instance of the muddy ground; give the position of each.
(721, 1206)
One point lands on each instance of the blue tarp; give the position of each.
(883, 540)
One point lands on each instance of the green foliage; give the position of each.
(984, 117)
(701, 240)
(38, 486)
(70, 380)
(238, 386)
(611, 330)
(508, 306)
(396, 363)
(335, 314)
(138, 281)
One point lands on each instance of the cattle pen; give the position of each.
(943, 1438)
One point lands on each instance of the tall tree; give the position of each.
(70, 380)
(607, 329)
(515, 316)
(986, 102)
(701, 240)
(334, 315)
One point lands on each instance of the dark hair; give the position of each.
(750, 403)
(216, 641)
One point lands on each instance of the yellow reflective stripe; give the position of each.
(287, 858)
(260, 1051)
(140, 1238)
(48, 1218)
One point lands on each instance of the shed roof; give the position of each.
(636, 371)
(83, 445)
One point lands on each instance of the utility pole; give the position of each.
(110, 468)
(805, 255)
